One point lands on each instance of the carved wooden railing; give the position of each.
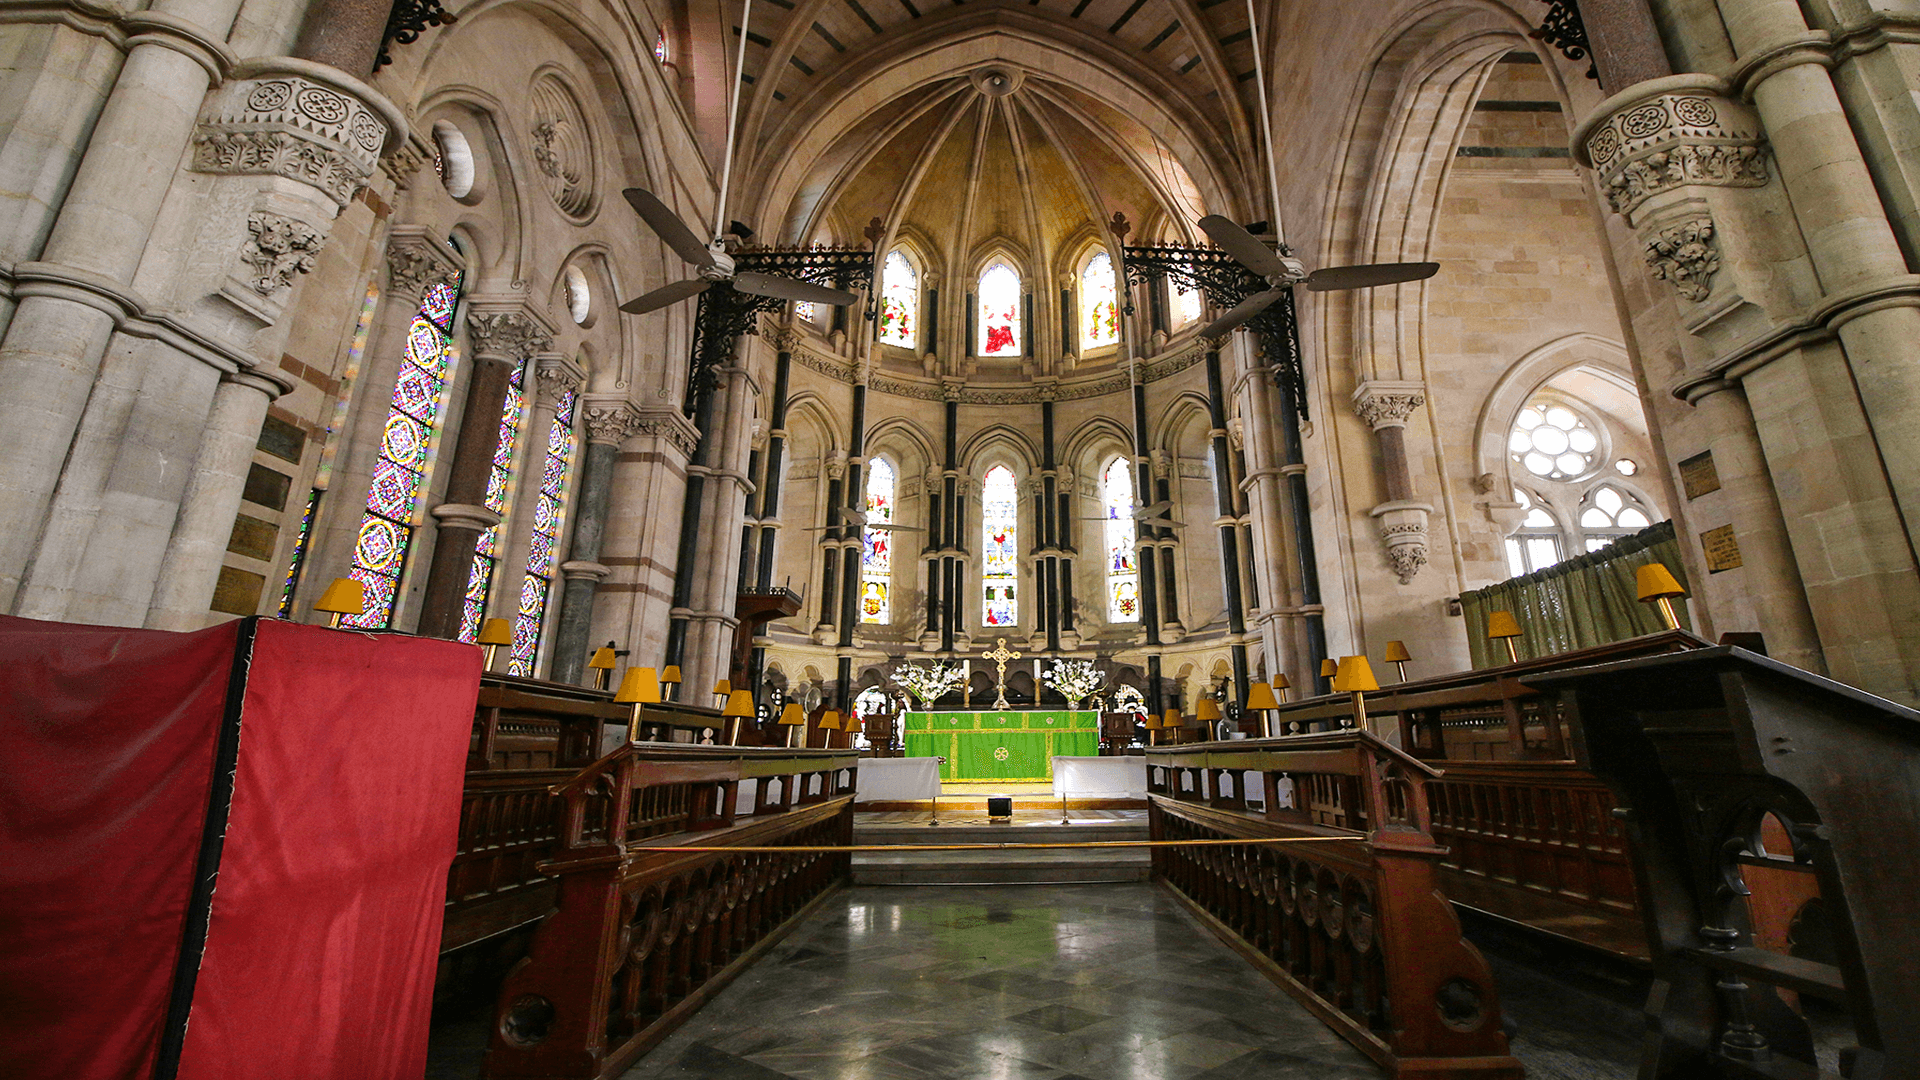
(1353, 924)
(640, 939)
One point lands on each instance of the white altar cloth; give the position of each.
(899, 779)
(1100, 777)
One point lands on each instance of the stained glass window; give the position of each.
(899, 302)
(660, 52)
(805, 311)
(486, 553)
(1000, 311)
(999, 561)
(386, 532)
(1123, 575)
(548, 514)
(299, 557)
(876, 552)
(1186, 304)
(1099, 312)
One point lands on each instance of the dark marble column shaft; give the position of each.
(590, 502)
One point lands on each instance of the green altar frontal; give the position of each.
(1002, 744)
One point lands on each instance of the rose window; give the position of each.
(1553, 442)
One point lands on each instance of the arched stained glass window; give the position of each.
(406, 450)
(899, 302)
(1123, 574)
(999, 311)
(486, 553)
(1099, 310)
(1186, 303)
(548, 514)
(876, 548)
(999, 558)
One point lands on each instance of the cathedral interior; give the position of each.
(778, 344)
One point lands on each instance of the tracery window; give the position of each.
(999, 294)
(1552, 441)
(548, 514)
(1186, 304)
(999, 558)
(1608, 515)
(1099, 310)
(406, 450)
(876, 545)
(805, 312)
(1123, 575)
(1535, 545)
(486, 552)
(899, 302)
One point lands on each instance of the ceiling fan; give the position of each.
(712, 265)
(1283, 272)
(859, 517)
(1158, 515)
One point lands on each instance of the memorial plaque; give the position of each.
(1721, 549)
(1698, 476)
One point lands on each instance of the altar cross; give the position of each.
(1000, 655)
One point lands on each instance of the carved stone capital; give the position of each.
(1384, 404)
(610, 422)
(1403, 531)
(554, 376)
(669, 424)
(416, 260)
(288, 125)
(1668, 133)
(277, 250)
(837, 465)
(510, 335)
(1686, 255)
(783, 337)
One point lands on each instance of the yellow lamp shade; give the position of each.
(830, 720)
(1656, 581)
(723, 687)
(854, 724)
(345, 597)
(496, 632)
(602, 659)
(671, 674)
(1329, 668)
(1172, 719)
(739, 703)
(1260, 696)
(1356, 676)
(1397, 652)
(1500, 624)
(791, 716)
(640, 684)
(1207, 710)
(1280, 682)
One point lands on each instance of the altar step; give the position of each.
(1017, 864)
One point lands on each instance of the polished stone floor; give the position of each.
(1029, 982)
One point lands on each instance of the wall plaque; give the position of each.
(1698, 475)
(1721, 549)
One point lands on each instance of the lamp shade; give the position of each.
(854, 724)
(1151, 723)
(1397, 653)
(791, 716)
(671, 674)
(1260, 696)
(1280, 682)
(1172, 719)
(640, 684)
(739, 703)
(1329, 668)
(723, 687)
(1656, 581)
(1500, 624)
(1356, 676)
(496, 632)
(602, 659)
(1207, 710)
(345, 596)
(830, 720)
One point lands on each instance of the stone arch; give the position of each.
(1604, 356)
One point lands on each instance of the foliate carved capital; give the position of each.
(277, 250)
(611, 423)
(1686, 255)
(783, 338)
(1669, 133)
(415, 261)
(510, 335)
(554, 376)
(287, 125)
(837, 466)
(1403, 531)
(1387, 404)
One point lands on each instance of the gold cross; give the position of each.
(1000, 655)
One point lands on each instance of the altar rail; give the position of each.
(1356, 930)
(640, 939)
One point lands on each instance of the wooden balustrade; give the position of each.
(640, 939)
(1353, 925)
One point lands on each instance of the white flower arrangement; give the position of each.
(1075, 680)
(929, 683)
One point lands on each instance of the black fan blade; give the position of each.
(1242, 245)
(669, 228)
(664, 295)
(1244, 310)
(1366, 276)
(787, 288)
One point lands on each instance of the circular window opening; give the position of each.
(1626, 467)
(1553, 442)
(579, 296)
(453, 159)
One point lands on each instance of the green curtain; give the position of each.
(1580, 602)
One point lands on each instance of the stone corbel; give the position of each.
(1403, 529)
(291, 118)
(1386, 406)
(415, 260)
(1669, 133)
(554, 375)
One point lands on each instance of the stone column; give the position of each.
(1385, 406)
(191, 566)
(501, 339)
(1149, 573)
(1164, 550)
(608, 425)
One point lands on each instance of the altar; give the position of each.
(1012, 745)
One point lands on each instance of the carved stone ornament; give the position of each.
(554, 376)
(1687, 255)
(1651, 144)
(414, 263)
(611, 424)
(508, 334)
(1403, 530)
(1387, 404)
(783, 339)
(562, 146)
(288, 126)
(277, 250)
